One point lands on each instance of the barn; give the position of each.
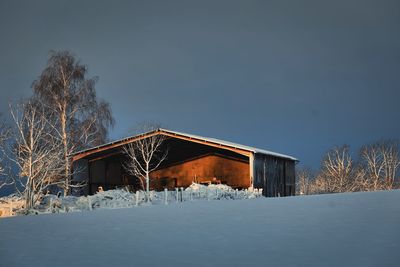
(191, 158)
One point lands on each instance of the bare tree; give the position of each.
(377, 169)
(319, 185)
(145, 155)
(3, 137)
(338, 170)
(81, 119)
(36, 152)
(5, 133)
(380, 162)
(305, 181)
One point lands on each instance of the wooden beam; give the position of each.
(209, 143)
(110, 146)
(106, 156)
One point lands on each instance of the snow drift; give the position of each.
(351, 229)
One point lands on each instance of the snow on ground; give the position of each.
(352, 229)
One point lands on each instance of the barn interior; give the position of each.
(187, 161)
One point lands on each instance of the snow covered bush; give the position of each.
(121, 198)
(106, 199)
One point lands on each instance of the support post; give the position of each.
(251, 166)
(137, 198)
(181, 194)
(166, 196)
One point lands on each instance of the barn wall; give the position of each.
(275, 175)
(80, 174)
(228, 170)
(290, 178)
(97, 175)
(109, 174)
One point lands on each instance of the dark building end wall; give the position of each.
(276, 176)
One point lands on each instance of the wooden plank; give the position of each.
(251, 166)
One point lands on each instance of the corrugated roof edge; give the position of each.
(208, 139)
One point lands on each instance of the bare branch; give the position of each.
(36, 152)
(338, 170)
(78, 118)
(380, 162)
(145, 155)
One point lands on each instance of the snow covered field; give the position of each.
(352, 229)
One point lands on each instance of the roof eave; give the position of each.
(205, 139)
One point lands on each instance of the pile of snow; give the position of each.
(107, 199)
(112, 199)
(221, 191)
(351, 229)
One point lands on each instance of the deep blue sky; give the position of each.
(295, 77)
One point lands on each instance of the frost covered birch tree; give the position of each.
(144, 156)
(36, 151)
(81, 119)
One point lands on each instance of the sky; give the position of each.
(294, 77)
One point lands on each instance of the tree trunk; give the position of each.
(29, 195)
(148, 186)
(65, 147)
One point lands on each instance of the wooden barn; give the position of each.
(191, 158)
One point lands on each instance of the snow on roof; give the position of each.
(207, 139)
(231, 144)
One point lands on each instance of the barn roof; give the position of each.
(191, 136)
